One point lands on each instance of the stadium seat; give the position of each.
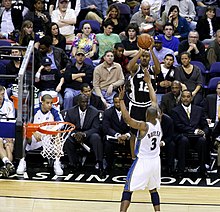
(203, 70)
(211, 87)
(94, 24)
(125, 10)
(136, 9)
(215, 70)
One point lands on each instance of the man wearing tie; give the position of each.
(87, 131)
(212, 111)
(191, 129)
(116, 131)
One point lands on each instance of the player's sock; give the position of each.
(126, 196)
(155, 199)
(5, 160)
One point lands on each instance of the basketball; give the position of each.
(144, 41)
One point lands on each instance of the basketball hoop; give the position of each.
(54, 135)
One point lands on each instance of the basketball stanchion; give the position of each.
(53, 137)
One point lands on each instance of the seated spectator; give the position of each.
(168, 138)
(27, 34)
(92, 10)
(87, 131)
(190, 76)
(194, 46)
(186, 10)
(94, 100)
(6, 144)
(75, 75)
(213, 51)
(145, 19)
(39, 17)
(11, 19)
(155, 6)
(172, 99)
(181, 26)
(169, 41)
(130, 43)
(165, 77)
(191, 129)
(207, 25)
(49, 79)
(161, 51)
(120, 58)
(212, 112)
(58, 57)
(113, 126)
(72, 4)
(107, 77)
(12, 68)
(120, 22)
(58, 40)
(86, 41)
(65, 19)
(45, 112)
(107, 40)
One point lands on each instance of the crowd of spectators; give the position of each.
(98, 63)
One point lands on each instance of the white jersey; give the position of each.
(149, 145)
(7, 109)
(52, 115)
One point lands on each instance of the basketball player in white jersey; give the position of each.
(145, 170)
(6, 144)
(44, 113)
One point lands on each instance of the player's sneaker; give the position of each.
(10, 167)
(21, 167)
(57, 168)
(4, 172)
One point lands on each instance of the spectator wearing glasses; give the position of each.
(194, 46)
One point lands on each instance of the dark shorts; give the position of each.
(137, 113)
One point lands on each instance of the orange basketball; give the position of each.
(144, 41)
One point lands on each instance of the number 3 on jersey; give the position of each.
(153, 144)
(143, 86)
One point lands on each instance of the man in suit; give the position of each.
(94, 100)
(191, 129)
(211, 105)
(113, 125)
(87, 131)
(10, 19)
(171, 99)
(212, 111)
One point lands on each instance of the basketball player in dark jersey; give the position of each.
(139, 93)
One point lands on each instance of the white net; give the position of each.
(53, 144)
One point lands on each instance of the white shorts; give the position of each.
(144, 173)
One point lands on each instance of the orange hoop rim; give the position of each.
(54, 132)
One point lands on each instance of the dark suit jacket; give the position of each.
(95, 101)
(91, 122)
(167, 128)
(111, 124)
(210, 106)
(168, 102)
(203, 28)
(184, 125)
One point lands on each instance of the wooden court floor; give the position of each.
(34, 196)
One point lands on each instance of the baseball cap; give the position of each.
(46, 61)
(80, 51)
(157, 39)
